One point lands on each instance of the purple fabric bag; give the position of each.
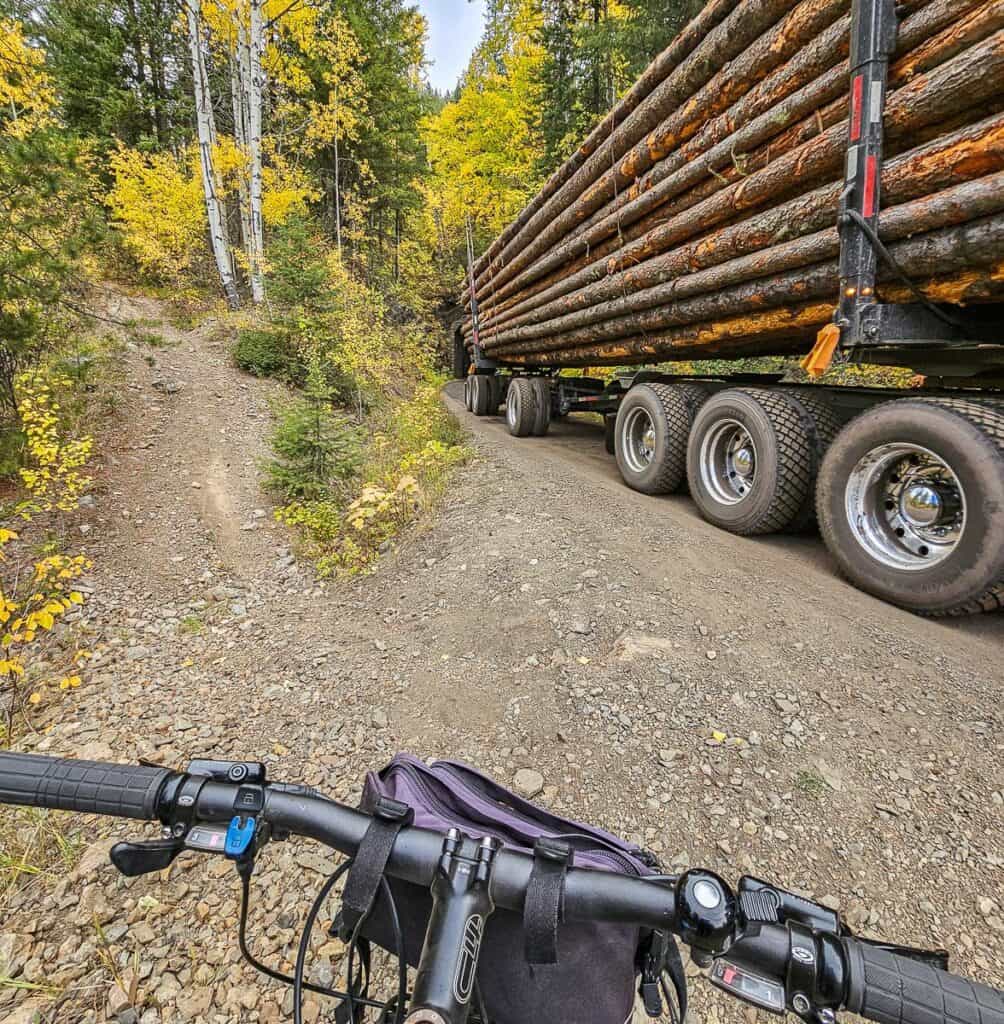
(593, 981)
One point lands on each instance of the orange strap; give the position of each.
(818, 361)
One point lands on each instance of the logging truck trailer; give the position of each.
(907, 487)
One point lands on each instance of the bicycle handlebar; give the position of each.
(869, 980)
(121, 790)
(892, 989)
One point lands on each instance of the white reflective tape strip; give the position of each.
(852, 163)
(876, 104)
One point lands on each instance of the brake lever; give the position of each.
(134, 859)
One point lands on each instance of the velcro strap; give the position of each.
(678, 976)
(543, 909)
(370, 864)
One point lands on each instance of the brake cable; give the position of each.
(287, 979)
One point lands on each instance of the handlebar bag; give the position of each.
(593, 981)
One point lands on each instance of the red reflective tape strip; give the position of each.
(871, 187)
(857, 107)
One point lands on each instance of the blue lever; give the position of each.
(239, 836)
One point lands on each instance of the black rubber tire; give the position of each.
(610, 433)
(467, 393)
(521, 407)
(481, 394)
(542, 393)
(497, 391)
(671, 410)
(822, 425)
(461, 357)
(969, 437)
(785, 468)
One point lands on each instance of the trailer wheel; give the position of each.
(911, 504)
(521, 407)
(497, 385)
(461, 357)
(481, 395)
(822, 425)
(750, 461)
(542, 394)
(650, 436)
(467, 394)
(610, 433)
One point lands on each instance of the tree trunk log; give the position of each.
(736, 155)
(789, 331)
(206, 129)
(969, 78)
(693, 108)
(977, 151)
(964, 244)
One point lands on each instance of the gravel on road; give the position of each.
(725, 702)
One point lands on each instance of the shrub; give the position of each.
(12, 443)
(316, 449)
(269, 352)
(298, 271)
(156, 203)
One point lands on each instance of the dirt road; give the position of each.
(548, 619)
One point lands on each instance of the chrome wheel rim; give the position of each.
(510, 406)
(906, 506)
(728, 462)
(638, 439)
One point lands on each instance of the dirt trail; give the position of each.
(549, 619)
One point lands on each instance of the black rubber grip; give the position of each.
(124, 790)
(894, 989)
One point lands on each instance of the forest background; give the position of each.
(280, 173)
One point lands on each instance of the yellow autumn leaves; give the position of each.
(34, 600)
(54, 476)
(26, 619)
(26, 93)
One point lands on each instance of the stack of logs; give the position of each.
(699, 218)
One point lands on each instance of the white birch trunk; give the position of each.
(256, 95)
(239, 100)
(206, 127)
(338, 197)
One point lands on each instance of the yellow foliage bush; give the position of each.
(36, 592)
(26, 93)
(156, 203)
(413, 441)
(54, 475)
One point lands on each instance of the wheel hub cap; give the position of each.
(638, 440)
(921, 505)
(743, 462)
(906, 506)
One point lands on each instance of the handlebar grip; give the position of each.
(122, 790)
(891, 989)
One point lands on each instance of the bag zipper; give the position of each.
(600, 847)
(415, 775)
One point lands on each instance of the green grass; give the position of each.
(810, 782)
(192, 625)
(151, 339)
(21, 985)
(34, 843)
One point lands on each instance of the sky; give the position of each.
(454, 30)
